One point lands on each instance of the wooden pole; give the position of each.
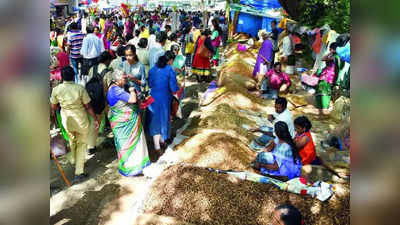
(60, 169)
(228, 17)
(235, 21)
(205, 17)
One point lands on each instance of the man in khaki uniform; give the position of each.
(74, 102)
(104, 63)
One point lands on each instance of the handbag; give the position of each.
(176, 105)
(203, 51)
(145, 99)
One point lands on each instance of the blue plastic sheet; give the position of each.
(257, 22)
(344, 52)
(262, 4)
(246, 19)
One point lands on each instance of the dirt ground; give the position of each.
(107, 198)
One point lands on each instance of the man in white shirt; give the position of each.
(84, 23)
(135, 40)
(281, 114)
(91, 49)
(287, 53)
(152, 39)
(157, 49)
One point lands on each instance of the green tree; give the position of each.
(316, 13)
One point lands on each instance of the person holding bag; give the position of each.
(189, 45)
(203, 51)
(163, 88)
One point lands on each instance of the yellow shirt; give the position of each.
(196, 35)
(72, 98)
(101, 23)
(145, 34)
(60, 41)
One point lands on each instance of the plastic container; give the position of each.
(301, 70)
(322, 101)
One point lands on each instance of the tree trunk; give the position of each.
(292, 7)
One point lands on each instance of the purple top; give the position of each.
(108, 25)
(129, 27)
(266, 51)
(116, 94)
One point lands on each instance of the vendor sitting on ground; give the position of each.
(274, 82)
(281, 114)
(281, 156)
(304, 140)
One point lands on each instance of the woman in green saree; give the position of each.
(127, 127)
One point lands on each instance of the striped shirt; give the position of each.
(75, 39)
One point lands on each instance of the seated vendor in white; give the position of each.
(281, 114)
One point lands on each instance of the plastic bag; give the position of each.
(179, 61)
(57, 146)
(241, 47)
(344, 52)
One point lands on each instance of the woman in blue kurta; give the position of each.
(281, 156)
(163, 86)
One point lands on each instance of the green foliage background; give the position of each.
(316, 13)
(336, 13)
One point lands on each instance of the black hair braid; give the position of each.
(282, 131)
(295, 152)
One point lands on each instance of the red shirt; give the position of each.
(307, 153)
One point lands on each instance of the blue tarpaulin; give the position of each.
(262, 4)
(251, 24)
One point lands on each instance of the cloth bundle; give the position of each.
(309, 80)
(320, 190)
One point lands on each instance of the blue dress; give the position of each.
(282, 155)
(162, 83)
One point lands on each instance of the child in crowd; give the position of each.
(304, 140)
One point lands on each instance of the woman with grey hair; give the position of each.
(127, 127)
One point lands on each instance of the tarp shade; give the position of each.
(257, 23)
(262, 4)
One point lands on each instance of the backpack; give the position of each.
(95, 90)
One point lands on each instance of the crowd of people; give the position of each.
(122, 72)
(276, 62)
(119, 73)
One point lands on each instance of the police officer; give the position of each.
(74, 102)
